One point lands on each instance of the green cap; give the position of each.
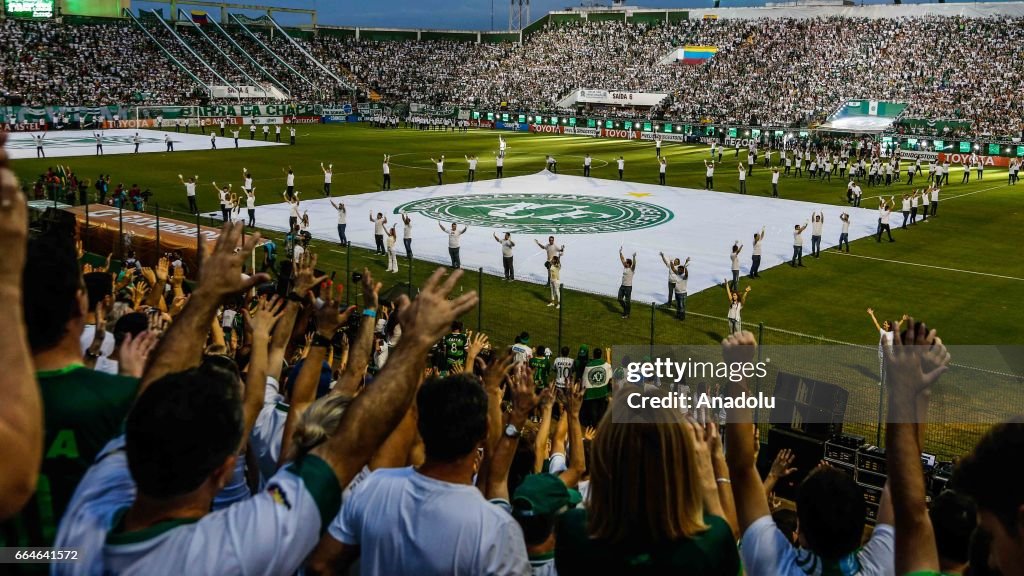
(543, 495)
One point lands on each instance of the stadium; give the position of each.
(693, 289)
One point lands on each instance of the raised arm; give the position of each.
(361, 350)
(747, 489)
(21, 412)
(441, 226)
(871, 313)
(378, 409)
(915, 362)
(622, 258)
(261, 323)
(577, 458)
(524, 399)
(665, 260)
(221, 276)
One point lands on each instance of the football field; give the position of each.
(961, 270)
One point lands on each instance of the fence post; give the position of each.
(757, 381)
(881, 405)
(408, 291)
(561, 306)
(654, 309)
(199, 240)
(85, 240)
(480, 295)
(120, 231)
(348, 272)
(157, 211)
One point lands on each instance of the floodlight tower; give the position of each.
(518, 14)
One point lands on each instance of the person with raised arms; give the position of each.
(506, 255)
(454, 236)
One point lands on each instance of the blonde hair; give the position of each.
(319, 421)
(643, 480)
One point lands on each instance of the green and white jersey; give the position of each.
(596, 377)
(455, 348)
(541, 370)
(83, 410)
(270, 533)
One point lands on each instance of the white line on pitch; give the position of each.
(923, 265)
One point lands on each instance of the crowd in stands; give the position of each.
(779, 72)
(236, 425)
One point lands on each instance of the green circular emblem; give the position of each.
(542, 213)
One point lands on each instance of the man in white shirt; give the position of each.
(190, 192)
(386, 167)
(798, 245)
(775, 182)
(429, 520)
(550, 251)
(844, 237)
(453, 242)
(935, 201)
(622, 166)
(884, 212)
(709, 174)
(586, 165)
(378, 231)
(440, 169)
(506, 255)
(626, 287)
(816, 229)
(471, 175)
(328, 177)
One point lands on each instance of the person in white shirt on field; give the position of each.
(671, 265)
(454, 236)
(190, 192)
(884, 213)
(935, 200)
(378, 231)
(662, 167)
(328, 176)
(621, 165)
(386, 168)
(736, 303)
(392, 256)
(550, 251)
(440, 169)
(407, 234)
(587, 160)
(844, 236)
(775, 182)
(555, 282)
(755, 258)
(506, 255)
(818, 222)
(734, 257)
(626, 287)
(223, 195)
(798, 245)
(250, 206)
(289, 181)
(743, 178)
(342, 221)
(471, 174)
(709, 174)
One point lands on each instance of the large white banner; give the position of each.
(592, 217)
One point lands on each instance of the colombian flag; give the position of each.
(199, 17)
(697, 54)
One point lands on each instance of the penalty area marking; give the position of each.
(925, 265)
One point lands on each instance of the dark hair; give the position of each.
(786, 521)
(50, 289)
(98, 285)
(133, 323)
(565, 350)
(598, 353)
(452, 416)
(831, 509)
(536, 529)
(953, 518)
(991, 473)
(182, 428)
(456, 325)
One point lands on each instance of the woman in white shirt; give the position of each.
(392, 257)
(250, 205)
(555, 267)
(736, 302)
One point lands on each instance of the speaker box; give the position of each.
(809, 406)
(807, 450)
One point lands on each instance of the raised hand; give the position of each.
(221, 273)
(915, 360)
(497, 370)
(148, 275)
(134, 352)
(262, 321)
(161, 270)
(330, 317)
(430, 315)
(524, 393)
(782, 466)
(740, 347)
(371, 290)
(305, 274)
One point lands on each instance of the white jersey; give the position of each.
(521, 352)
(327, 176)
(190, 188)
(621, 163)
(407, 229)
(342, 214)
(816, 227)
(290, 181)
(387, 168)
(472, 163)
(270, 533)
(627, 276)
(250, 201)
(506, 248)
(440, 166)
(247, 185)
(453, 238)
(378, 226)
(563, 368)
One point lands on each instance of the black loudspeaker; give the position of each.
(808, 451)
(809, 406)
